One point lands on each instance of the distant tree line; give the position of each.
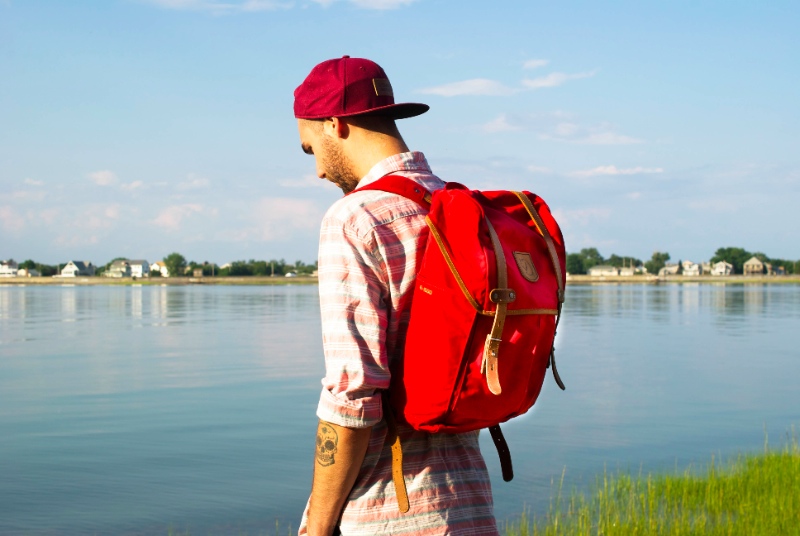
(581, 262)
(577, 263)
(738, 256)
(178, 265)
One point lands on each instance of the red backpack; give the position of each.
(484, 313)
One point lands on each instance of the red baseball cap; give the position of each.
(346, 87)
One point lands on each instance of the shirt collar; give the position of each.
(411, 161)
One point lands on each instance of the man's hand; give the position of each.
(339, 455)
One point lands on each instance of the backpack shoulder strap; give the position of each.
(402, 186)
(557, 267)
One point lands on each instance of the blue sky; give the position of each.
(136, 128)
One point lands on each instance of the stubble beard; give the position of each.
(338, 168)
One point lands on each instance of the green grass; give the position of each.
(754, 494)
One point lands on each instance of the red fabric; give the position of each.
(438, 385)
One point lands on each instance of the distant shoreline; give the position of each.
(157, 281)
(673, 279)
(281, 280)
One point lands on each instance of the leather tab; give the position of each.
(503, 452)
(502, 295)
(397, 457)
(491, 349)
(397, 476)
(489, 365)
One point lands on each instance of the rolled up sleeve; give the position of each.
(353, 303)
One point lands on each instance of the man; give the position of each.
(370, 244)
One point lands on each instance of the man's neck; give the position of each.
(375, 150)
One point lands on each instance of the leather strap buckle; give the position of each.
(502, 295)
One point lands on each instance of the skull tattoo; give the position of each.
(327, 441)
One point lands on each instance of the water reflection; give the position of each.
(199, 401)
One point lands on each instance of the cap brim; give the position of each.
(403, 110)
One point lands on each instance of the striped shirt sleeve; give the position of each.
(354, 305)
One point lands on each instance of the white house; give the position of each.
(26, 272)
(139, 268)
(120, 268)
(669, 269)
(627, 271)
(753, 266)
(722, 268)
(692, 269)
(78, 268)
(8, 268)
(160, 267)
(603, 270)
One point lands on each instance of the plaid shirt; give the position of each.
(370, 246)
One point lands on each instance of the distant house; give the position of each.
(28, 272)
(669, 269)
(160, 267)
(692, 269)
(78, 268)
(705, 267)
(139, 268)
(8, 268)
(120, 268)
(627, 271)
(603, 270)
(753, 266)
(722, 268)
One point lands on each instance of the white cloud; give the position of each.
(608, 138)
(614, 170)
(554, 79)
(501, 124)
(539, 169)
(278, 218)
(251, 6)
(372, 4)
(715, 204)
(33, 182)
(103, 177)
(382, 4)
(308, 181)
(534, 64)
(559, 126)
(171, 217)
(10, 219)
(232, 6)
(129, 187)
(193, 182)
(581, 216)
(111, 212)
(634, 195)
(475, 86)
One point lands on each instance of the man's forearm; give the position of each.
(339, 455)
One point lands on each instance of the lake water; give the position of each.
(133, 410)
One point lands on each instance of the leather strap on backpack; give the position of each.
(502, 295)
(502, 451)
(557, 267)
(397, 458)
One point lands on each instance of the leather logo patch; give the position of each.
(526, 267)
(382, 87)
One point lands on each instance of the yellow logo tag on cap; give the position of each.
(382, 87)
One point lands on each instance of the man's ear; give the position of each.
(336, 127)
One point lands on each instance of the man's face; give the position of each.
(332, 163)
